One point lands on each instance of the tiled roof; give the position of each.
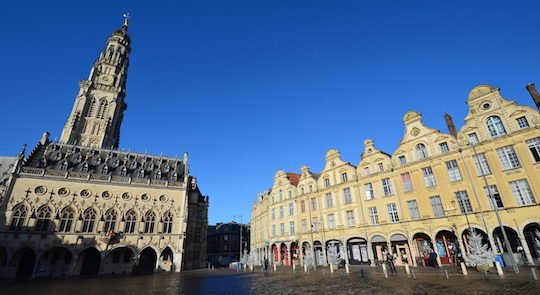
(293, 178)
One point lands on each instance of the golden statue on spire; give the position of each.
(126, 18)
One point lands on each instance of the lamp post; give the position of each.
(496, 208)
(241, 242)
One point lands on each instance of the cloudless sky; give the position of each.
(250, 87)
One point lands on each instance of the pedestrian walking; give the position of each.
(390, 262)
(433, 259)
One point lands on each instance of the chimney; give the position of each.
(534, 94)
(450, 124)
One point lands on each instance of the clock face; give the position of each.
(105, 79)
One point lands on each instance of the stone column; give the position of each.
(289, 256)
(414, 251)
(371, 254)
(462, 247)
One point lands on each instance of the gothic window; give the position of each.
(91, 107)
(43, 162)
(66, 219)
(64, 165)
(133, 164)
(167, 223)
(495, 126)
(157, 174)
(141, 173)
(174, 176)
(149, 222)
(123, 171)
(421, 151)
(104, 169)
(110, 221)
(150, 166)
(89, 220)
(19, 216)
(43, 219)
(131, 221)
(102, 111)
(84, 167)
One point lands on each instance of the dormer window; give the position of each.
(495, 126)
(402, 160)
(444, 147)
(522, 122)
(326, 182)
(381, 167)
(421, 151)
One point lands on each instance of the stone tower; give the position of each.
(98, 110)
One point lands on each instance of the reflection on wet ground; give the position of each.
(225, 281)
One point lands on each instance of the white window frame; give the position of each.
(508, 158)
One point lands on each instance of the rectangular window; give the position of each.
(291, 209)
(282, 229)
(350, 218)
(453, 170)
(473, 138)
(444, 147)
(313, 204)
(407, 182)
(273, 213)
(464, 203)
(329, 202)
(304, 226)
(381, 167)
(303, 206)
(373, 215)
(291, 228)
(482, 166)
(310, 188)
(290, 194)
(522, 122)
(280, 196)
(534, 147)
(387, 187)
(347, 195)
(494, 198)
(281, 214)
(315, 224)
(366, 170)
(331, 221)
(273, 230)
(392, 212)
(436, 205)
(413, 210)
(429, 177)
(327, 182)
(344, 177)
(368, 187)
(508, 157)
(522, 192)
(402, 160)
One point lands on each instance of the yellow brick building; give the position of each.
(421, 198)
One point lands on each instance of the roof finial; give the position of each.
(126, 19)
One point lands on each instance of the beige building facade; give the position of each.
(422, 198)
(80, 206)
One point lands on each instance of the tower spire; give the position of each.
(97, 113)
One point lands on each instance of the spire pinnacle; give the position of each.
(126, 19)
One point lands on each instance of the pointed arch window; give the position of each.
(84, 167)
(421, 151)
(149, 222)
(150, 166)
(89, 220)
(91, 107)
(104, 169)
(157, 175)
(110, 221)
(167, 223)
(131, 221)
(43, 223)
(66, 219)
(102, 111)
(19, 216)
(141, 173)
(43, 162)
(495, 126)
(123, 171)
(174, 176)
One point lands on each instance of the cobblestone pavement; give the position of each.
(362, 280)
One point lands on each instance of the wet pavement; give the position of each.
(362, 280)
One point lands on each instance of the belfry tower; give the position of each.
(98, 110)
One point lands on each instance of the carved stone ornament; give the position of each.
(415, 131)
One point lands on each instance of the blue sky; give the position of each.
(250, 87)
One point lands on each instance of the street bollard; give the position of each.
(446, 274)
(323, 272)
(293, 267)
(499, 269)
(347, 270)
(385, 271)
(533, 273)
(413, 273)
(331, 268)
(275, 267)
(407, 269)
(486, 275)
(305, 268)
(464, 269)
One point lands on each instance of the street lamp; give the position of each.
(496, 208)
(241, 242)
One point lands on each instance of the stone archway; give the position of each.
(166, 261)
(513, 238)
(465, 237)
(54, 262)
(532, 238)
(118, 261)
(357, 250)
(424, 246)
(284, 254)
(380, 246)
(318, 250)
(90, 262)
(294, 253)
(26, 262)
(399, 246)
(147, 261)
(275, 254)
(447, 247)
